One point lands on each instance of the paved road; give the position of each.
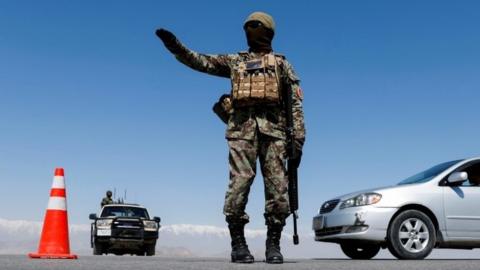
(15, 262)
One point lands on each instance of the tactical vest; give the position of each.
(256, 81)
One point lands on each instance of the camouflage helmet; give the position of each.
(262, 17)
(109, 193)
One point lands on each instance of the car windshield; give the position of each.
(124, 211)
(429, 174)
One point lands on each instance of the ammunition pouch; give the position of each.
(256, 82)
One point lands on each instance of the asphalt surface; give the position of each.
(16, 262)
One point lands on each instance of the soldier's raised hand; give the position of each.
(169, 40)
(166, 36)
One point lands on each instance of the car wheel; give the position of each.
(411, 235)
(98, 249)
(360, 251)
(150, 250)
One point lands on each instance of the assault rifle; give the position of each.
(292, 162)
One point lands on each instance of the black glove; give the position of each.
(169, 40)
(295, 161)
(299, 145)
(223, 108)
(166, 36)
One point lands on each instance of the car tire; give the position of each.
(150, 249)
(98, 249)
(411, 235)
(358, 251)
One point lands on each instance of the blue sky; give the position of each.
(391, 87)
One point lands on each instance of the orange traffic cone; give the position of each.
(54, 242)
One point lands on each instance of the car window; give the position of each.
(124, 211)
(469, 183)
(429, 174)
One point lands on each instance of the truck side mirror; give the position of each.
(93, 216)
(157, 219)
(457, 177)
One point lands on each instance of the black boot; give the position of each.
(240, 252)
(272, 252)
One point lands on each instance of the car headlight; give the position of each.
(361, 200)
(104, 223)
(150, 225)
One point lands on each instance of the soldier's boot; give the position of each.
(272, 252)
(240, 252)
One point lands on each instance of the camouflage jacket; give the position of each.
(242, 124)
(106, 201)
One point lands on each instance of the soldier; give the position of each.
(107, 200)
(255, 128)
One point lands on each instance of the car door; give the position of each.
(462, 205)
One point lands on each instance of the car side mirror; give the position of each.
(457, 177)
(157, 219)
(93, 216)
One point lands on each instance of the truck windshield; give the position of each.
(124, 211)
(429, 174)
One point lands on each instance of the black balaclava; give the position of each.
(259, 39)
(259, 28)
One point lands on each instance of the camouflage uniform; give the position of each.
(253, 132)
(106, 201)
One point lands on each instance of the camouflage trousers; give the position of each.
(243, 160)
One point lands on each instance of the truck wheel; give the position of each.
(411, 235)
(98, 249)
(360, 251)
(150, 249)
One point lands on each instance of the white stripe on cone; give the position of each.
(58, 182)
(57, 203)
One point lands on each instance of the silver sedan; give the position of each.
(436, 208)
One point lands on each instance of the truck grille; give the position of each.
(328, 206)
(328, 231)
(124, 228)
